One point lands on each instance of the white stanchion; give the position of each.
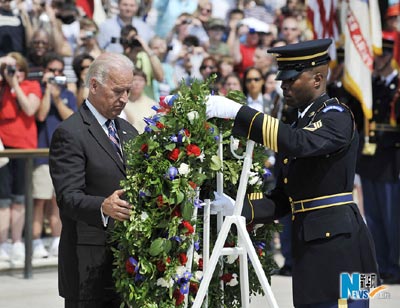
(244, 249)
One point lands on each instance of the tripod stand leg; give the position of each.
(262, 278)
(213, 262)
(244, 274)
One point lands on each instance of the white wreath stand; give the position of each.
(244, 247)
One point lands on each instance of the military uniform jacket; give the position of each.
(318, 154)
(385, 136)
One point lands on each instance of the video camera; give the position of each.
(11, 69)
(58, 80)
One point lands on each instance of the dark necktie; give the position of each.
(112, 135)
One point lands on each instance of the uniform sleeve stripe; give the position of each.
(264, 127)
(275, 135)
(270, 132)
(251, 124)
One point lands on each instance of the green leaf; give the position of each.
(157, 247)
(215, 163)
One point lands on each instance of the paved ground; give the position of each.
(41, 290)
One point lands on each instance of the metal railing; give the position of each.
(28, 155)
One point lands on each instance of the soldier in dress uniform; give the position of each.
(319, 157)
(379, 164)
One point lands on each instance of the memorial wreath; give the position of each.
(170, 168)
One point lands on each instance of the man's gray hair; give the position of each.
(104, 64)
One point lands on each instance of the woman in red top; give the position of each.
(19, 101)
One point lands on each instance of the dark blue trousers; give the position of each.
(285, 238)
(382, 213)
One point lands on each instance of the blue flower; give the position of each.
(216, 138)
(176, 238)
(172, 173)
(197, 245)
(184, 288)
(174, 138)
(135, 263)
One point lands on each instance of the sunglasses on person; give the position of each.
(256, 79)
(203, 67)
(37, 43)
(55, 70)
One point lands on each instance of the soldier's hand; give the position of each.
(116, 207)
(221, 107)
(223, 203)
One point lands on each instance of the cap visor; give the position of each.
(287, 74)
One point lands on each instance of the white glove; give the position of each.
(223, 203)
(221, 107)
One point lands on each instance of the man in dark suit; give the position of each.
(318, 155)
(87, 163)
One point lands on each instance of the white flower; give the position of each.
(233, 281)
(192, 115)
(234, 144)
(201, 156)
(254, 178)
(196, 257)
(180, 270)
(183, 169)
(231, 258)
(198, 275)
(164, 283)
(144, 216)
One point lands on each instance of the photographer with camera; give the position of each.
(58, 104)
(87, 42)
(19, 101)
(136, 49)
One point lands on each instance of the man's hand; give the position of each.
(223, 203)
(221, 107)
(113, 206)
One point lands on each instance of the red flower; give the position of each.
(164, 107)
(226, 277)
(183, 258)
(193, 287)
(161, 267)
(250, 227)
(193, 149)
(160, 125)
(200, 265)
(176, 212)
(160, 201)
(260, 252)
(179, 297)
(192, 184)
(129, 267)
(144, 148)
(187, 133)
(188, 227)
(174, 154)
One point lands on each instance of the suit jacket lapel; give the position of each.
(98, 133)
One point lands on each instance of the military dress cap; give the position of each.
(293, 59)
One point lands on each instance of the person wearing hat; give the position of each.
(215, 30)
(381, 185)
(318, 154)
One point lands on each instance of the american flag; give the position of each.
(322, 20)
